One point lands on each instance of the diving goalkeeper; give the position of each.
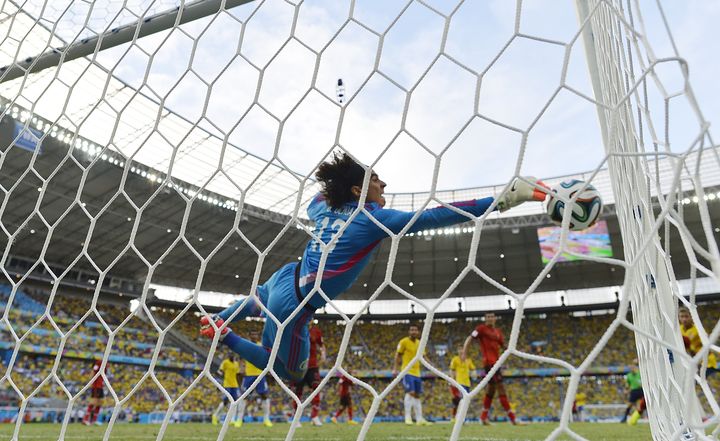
(341, 180)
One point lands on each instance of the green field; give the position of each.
(340, 432)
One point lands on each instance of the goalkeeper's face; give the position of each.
(376, 189)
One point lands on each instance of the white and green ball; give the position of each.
(585, 211)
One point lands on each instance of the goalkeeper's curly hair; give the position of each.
(338, 177)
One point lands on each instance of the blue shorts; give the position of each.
(279, 296)
(412, 384)
(233, 391)
(261, 387)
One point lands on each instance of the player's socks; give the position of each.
(315, 409)
(487, 402)
(417, 405)
(350, 412)
(627, 412)
(419, 414)
(215, 418)
(240, 414)
(266, 409)
(408, 405)
(256, 354)
(506, 405)
(252, 352)
(634, 418)
(87, 419)
(97, 413)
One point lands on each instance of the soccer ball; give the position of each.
(585, 210)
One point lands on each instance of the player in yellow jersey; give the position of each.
(229, 369)
(251, 374)
(579, 406)
(406, 350)
(691, 338)
(462, 371)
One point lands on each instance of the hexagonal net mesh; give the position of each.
(134, 110)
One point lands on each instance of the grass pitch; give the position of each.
(329, 432)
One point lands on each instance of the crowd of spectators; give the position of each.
(370, 352)
(544, 402)
(133, 337)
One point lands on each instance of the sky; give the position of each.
(299, 124)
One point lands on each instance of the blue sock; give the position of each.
(252, 352)
(257, 355)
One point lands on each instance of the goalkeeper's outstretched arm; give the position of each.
(439, 217)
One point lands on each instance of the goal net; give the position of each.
(126, 129)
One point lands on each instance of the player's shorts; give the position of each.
(412, 384)
(345, 400)
(497, 378)
(635, 395)
(311, 379)
(233, 391)
(97, 392)
(456, 392)
(261, 388)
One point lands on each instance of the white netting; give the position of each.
(263, 75)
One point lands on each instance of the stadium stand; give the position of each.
(565, 335)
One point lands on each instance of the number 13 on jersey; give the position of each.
(325, 234)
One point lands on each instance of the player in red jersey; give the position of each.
(491, 341)
(312, 376)
(344, 386)
(97, 393)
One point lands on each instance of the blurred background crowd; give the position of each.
(90, 330)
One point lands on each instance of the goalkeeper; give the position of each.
(342, 181)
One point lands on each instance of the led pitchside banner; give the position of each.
(27, 138)
(6, 348)
(595, 241)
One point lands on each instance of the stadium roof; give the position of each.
(146, 133)
(105, 111)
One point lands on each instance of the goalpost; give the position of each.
(668, 376)
(650, 178)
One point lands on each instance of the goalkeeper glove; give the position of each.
(520, 191)
(207, 329)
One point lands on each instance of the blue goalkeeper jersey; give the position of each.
(351, 253)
